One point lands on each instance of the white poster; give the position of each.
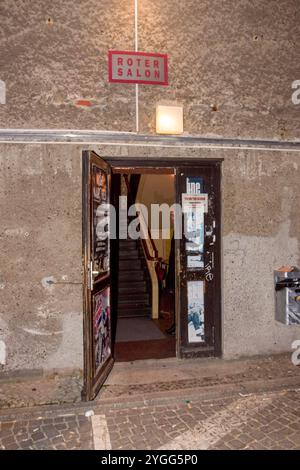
(195, 261)
(195, 202)
(194, 207)
(195, 297)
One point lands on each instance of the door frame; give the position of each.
(93, 379)
(160, 166)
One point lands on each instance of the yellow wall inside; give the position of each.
(157, 189)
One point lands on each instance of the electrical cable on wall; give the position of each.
(136, 50)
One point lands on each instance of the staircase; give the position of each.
(134, 299)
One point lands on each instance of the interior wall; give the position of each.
(158, 189)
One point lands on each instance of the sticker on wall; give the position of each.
(102, 329)
(195, 296)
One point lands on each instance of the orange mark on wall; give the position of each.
(87, 103)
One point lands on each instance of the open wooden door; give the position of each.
(97, 323)
(198, 299)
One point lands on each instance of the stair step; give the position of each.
(134, 287)
(134, 295)
(134, 265)
(130, 276)
(129, 313)
(124, 244)
(133, 298)
(129, 254)
(132, 305)
(129, 249)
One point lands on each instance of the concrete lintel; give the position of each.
(131, 138)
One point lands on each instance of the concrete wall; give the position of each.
(261, 232)
(231, 64)
(40, 256)
(41, 323)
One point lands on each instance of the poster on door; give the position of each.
(195, 298)
(194, 185)
(194, 207)
(102, 328)
(100, 221)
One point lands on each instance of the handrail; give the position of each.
(127, 183)
(144, 243)
(153, 246)
(153, 262)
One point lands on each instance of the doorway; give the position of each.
(194, 303)
(145, 266)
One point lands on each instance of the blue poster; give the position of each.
(194, 185)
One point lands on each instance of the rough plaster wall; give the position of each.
(54, 53)
(231, 64)
(261, 233)
(41, 324)
(40, 256)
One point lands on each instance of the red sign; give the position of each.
(138, 67)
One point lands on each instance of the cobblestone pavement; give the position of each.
(268, 420)
(58, 432)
